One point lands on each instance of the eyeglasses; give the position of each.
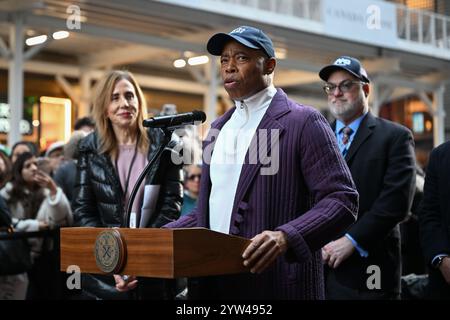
(192, 177)
(344, 86)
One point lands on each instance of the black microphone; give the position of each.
(175, 120)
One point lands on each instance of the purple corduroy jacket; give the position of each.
(312, 198)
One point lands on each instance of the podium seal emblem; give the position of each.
(109, 251)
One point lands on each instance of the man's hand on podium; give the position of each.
(264, 249)
(125, 283)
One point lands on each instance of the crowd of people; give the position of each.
(325, 216)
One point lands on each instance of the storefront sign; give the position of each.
(372, 22)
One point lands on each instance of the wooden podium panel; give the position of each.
(159, 253)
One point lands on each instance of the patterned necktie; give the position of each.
(346, 133)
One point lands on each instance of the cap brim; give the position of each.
(217, 42)
(325, 73)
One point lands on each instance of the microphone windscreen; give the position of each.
(199, 115)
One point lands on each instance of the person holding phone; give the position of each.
(36, 204)
(33, 197)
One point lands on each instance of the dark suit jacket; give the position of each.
(382, 162)
(311, 198)
(434, 215)
(5, 214)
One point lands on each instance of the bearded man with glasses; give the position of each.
(364, 262)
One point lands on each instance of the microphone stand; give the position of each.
(167, 136)
(135, 294)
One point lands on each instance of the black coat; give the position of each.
(434, 216)
(382, 163)
(98, 193)
(5, 214)
(65, 177)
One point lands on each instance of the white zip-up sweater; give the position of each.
(229, 154)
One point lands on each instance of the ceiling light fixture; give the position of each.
(36, 40)
(58, 35)
(194, 61)
(179, 63)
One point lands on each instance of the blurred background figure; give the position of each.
(21, 147)
(66, 174)
(434, 217)
(45, 165)
(5, 167)
(5, 150)
(36, 203)
(55, 153)
(413, 260)
(13, 286)
(192, 175)
(414, 268)
(85, 124)
(191, 142)
(192, 145)
(33, 197)
(168, 109)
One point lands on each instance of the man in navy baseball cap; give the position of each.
(380, 156)
(276, 226)
(248, 36)
(349, 64)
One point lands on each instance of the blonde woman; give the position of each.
(110, 161)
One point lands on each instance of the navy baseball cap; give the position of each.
(248, 36)
(349, 64)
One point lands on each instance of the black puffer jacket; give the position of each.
(98, 202)
(98, 194)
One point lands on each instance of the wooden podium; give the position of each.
(151, 252)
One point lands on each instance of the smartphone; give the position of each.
(43, 164)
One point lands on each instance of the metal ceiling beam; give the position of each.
(125, 55)
(145, 39)
(146, 81)
(381, 65)
(401, 93)
(191, 17)
(19, 5)
(115, 33)
(404, 83)
(35, 49)
(68, 88)
(290, 78)
(318, 103)
(4, 50)
(298, 65)
(438, 78)
(294, 78)
(47, 68)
